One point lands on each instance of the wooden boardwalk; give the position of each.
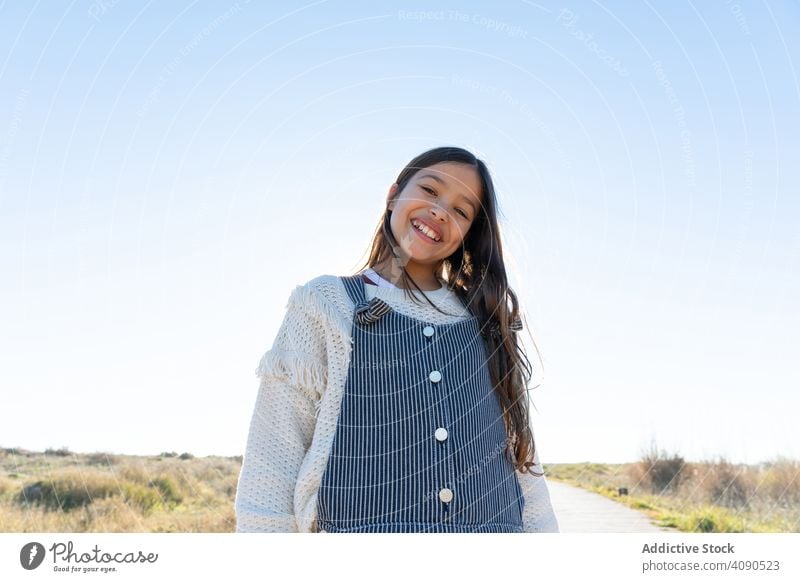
(581, 511)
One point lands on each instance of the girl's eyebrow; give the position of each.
(464, 198)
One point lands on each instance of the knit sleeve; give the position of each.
(292, 375)
(537, 515)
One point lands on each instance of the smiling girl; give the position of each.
(395, 399)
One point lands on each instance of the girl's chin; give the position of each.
(415, 249)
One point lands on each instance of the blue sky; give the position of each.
(170, 172)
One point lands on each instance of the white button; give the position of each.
(435, 376)
(440, 434)
(428, 331)
(446, 495)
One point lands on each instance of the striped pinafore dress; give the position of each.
(419, 442)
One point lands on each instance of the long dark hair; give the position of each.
(477, 274)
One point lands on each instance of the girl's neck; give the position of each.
(426, 280)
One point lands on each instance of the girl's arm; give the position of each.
(292, 377)
(537, 515)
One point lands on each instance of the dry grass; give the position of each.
(713, 496)
(59, 491)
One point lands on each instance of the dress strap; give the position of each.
(354, 285)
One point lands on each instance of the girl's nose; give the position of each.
(438, 213)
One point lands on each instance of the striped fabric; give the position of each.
(419, 442)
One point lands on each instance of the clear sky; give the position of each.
(169, 172)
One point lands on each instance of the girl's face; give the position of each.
(433, 213)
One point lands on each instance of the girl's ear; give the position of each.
(390, 198)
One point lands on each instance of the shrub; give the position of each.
(101, 459)
(146, 498)
(69, 490)
(66, 491)
(658, 471)
(781, 482)
(726, 485)
(169, 490)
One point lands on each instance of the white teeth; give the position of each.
(427, 231)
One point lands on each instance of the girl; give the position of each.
(394, 400)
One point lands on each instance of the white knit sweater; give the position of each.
(302, 380)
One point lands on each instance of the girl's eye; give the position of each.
(428, 190)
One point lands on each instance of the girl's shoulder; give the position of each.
(323, 296)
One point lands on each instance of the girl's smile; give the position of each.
(426, 231)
